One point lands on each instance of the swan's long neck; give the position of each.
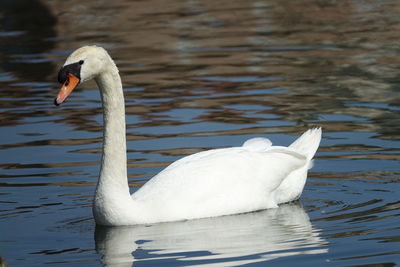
(113, 204)
(113, 173)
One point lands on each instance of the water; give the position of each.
(199, 75)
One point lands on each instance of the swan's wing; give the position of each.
(219, 182)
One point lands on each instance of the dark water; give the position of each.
(199, 75)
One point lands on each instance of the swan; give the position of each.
(223, 181)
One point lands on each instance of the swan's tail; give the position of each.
(308, 143)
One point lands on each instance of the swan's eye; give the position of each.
(81, 62)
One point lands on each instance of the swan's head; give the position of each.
(83, 64)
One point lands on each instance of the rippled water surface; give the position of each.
(200, 75)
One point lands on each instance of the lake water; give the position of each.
(200, 75)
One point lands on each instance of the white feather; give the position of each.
(257, 144)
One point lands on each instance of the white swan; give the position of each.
(217, 182)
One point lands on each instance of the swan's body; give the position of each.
(217, 182)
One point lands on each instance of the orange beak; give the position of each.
(66, 89)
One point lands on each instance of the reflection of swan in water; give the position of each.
(227, 240)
